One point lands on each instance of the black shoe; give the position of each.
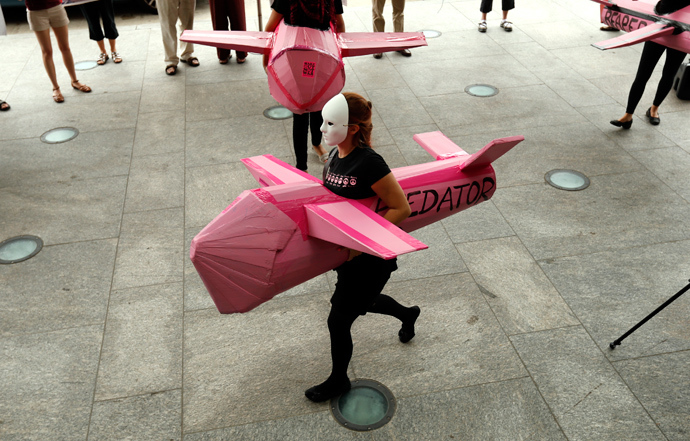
(626, 125)
(405, 53)
(327, 390)
(378, 56)
(653, 120)
(406, 333)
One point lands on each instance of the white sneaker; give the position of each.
(506, 25)
(482, 26)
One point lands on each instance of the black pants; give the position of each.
(651, 53)
(506, 5)
(94, 12)
(357, 292)
(300, 129)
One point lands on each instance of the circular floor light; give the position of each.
(367, 406)
(277, 112)
(19, 249)
(60, 134)
(430, 33)
(570, 180)
(85, 65)
(481, 90)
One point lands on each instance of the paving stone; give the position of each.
(659, 383)
(230, 140)
(605, 216)
(317, 426)
(612, 291)
(155, 182)
(159, 133)
(518, 291)
(142, 347)
(259, 381)
(472, 413)
(426, 79)
(46, 383)
(145, 417)
(670, 165)
(222, 100)
(399, 108)
(439, 259)
(586, 395)
(458, 340)
(30, 161)
(150, 249)
(514, 108)
(63, 286)
(64, 211)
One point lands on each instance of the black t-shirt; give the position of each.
(301, 19)
(352, 176)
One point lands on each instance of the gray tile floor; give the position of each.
(108, 333)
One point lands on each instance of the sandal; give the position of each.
(192, 61)
(4, 106)
(323, 158)
(482, 26)
(506, 25)
(116, 57)
(241, 60)
(80, 87)
(170, 69)
(224, 61)
(57, 95)
(102, 59)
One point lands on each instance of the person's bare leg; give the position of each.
(101, 46)
(47, 53)
(505, 15)
(483, 16)
(62, 37)
(112, 45)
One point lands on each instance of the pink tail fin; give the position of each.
(491, 152)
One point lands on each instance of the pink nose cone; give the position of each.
(304, 80)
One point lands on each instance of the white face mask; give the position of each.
(335, 115)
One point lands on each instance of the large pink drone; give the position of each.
(294, 229)
(305, 67)
(637, 18)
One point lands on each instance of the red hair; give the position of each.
(360, 115)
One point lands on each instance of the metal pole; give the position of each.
(615, 343)
(258, 7)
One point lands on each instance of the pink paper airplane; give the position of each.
(305, 67)
(638, 19)
(293, 229)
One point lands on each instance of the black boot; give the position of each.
(406, 332)
(327, 390)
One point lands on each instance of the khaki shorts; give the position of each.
(55, 17)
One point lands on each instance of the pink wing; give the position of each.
(439, 145)
(366, 43)
(641, 35)
(269, 170)
(352, 225)
(244, 41)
